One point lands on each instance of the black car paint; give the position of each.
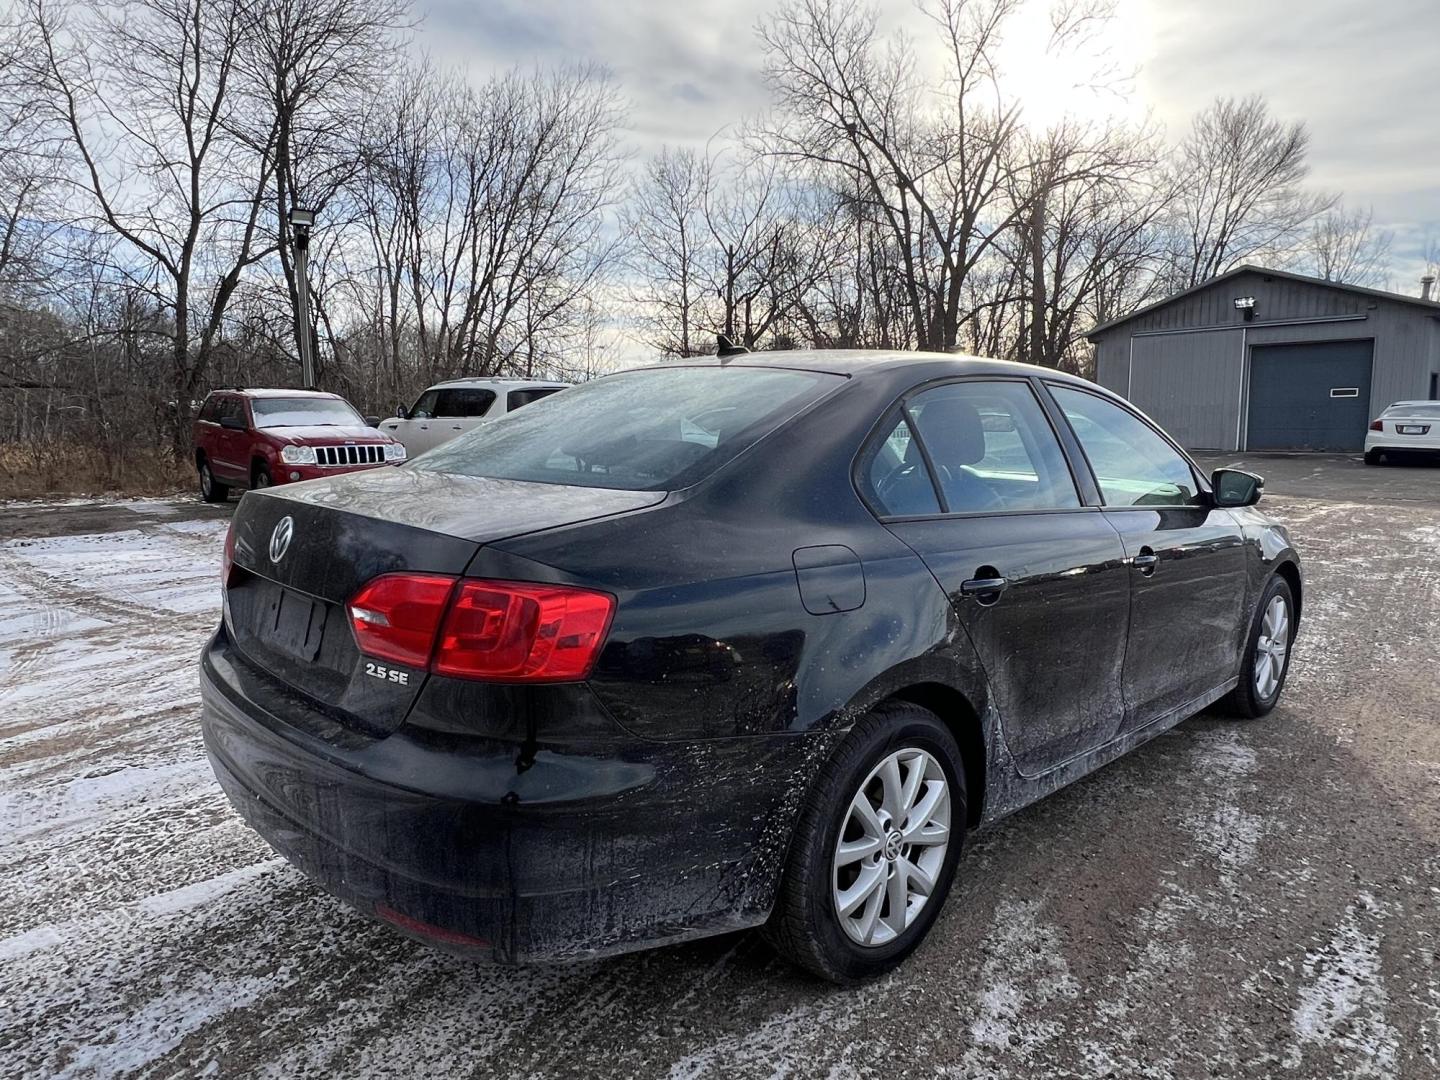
(655, 801)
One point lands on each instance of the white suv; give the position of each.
(452, 408)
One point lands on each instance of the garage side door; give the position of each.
(1313, 396)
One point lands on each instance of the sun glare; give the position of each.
(1087, 76)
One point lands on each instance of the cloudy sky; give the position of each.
(1363, 76)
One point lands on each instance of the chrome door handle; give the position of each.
(986, 590)
(1146, 561)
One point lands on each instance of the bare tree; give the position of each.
(144, 96)
(1343, 245)
(485, 209)
(1240, 172)
(665, 224)
(1092, 235)
(308, 67)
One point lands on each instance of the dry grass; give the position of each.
(37, 471)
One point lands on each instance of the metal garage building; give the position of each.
(1261, 359)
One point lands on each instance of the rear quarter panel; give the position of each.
(711, 638)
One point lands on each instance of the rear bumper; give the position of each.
(580, 852)
(1419, 444)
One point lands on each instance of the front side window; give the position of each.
(425, 405)
(1133, 465)
(992, 448)
(278, 412)
(651, 430)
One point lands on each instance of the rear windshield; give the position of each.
(651, 430)
(303, 412)
(1427, 411)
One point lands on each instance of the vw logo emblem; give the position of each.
(280, 538)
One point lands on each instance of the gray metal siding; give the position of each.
(1190, 385)
(1112, 362)
(1406, 352)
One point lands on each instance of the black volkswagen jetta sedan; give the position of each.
(727, 643)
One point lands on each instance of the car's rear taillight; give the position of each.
(395, 616)
(521, 632)
(227, 556)
(1376, 425)
(503, 631)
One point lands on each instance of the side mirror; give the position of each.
(234, 423)
(1234, 487)
(402, 412)
(373, 421)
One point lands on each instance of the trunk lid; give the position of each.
(285, 601)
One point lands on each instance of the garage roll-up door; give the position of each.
(1312, 396)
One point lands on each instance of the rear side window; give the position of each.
(894, 475)
(211, 409)
(655, 429)
(1421, 412)
(520, 398)
(464, 402)
(992, 448)
(1133, 465)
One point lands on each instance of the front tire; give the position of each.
(1267, 653)
(874, 851)
(260, 478)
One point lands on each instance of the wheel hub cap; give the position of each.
(891, 847)
(1272, 646)
(893, 842)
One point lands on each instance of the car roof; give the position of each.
(271, 392)
(859, 363)
(1417, 401)
(508, 383)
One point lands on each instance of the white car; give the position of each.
(1405, 426)
(452, 408)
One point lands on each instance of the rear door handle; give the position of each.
(1146, 561)
(987, 589)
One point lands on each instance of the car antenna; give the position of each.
(725, 348)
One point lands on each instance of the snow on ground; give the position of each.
(1200, 908)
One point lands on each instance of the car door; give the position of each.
(1187, 557)
(230, 460)
(972, 476)
(460, 409)
(415, 430)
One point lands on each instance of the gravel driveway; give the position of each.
(1234, 899)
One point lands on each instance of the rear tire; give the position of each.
(1265, 664)
(1374, 457)
(211, 490)
(807, 925)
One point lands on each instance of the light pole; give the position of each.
(300, 222)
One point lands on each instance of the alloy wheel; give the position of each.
(1271, 648)
(207, 482)
(891, 847)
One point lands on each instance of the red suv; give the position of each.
(255, 438)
